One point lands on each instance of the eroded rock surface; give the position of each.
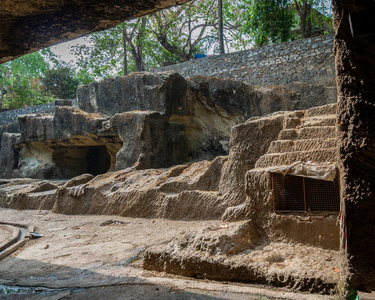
(28, 26)
(206, 189)
(234, 254)
(185, 152)
(249, 251)
(143, 120)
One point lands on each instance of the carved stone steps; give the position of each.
(329, 109)
(311, 132)
(328, 120)
(287, 158)
(281, 146)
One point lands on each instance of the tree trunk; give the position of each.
(136, 49)
(303, 19)
(1, 99)
(221, 31)
(304, 11)
(125, 52)
(308, 29)
(162, 39)
(355, 75)
(139, 57)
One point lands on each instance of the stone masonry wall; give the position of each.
(10, 116)
(310, 60)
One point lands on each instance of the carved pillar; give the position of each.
(355, 71)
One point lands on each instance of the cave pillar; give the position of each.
(355, 73)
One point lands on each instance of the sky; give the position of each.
(63, 49)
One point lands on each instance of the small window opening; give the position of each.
(302, 194)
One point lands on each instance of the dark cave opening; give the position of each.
(98, 160)
(74, 161)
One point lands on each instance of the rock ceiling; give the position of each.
(27, 26)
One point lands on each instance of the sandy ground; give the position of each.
(97, 257)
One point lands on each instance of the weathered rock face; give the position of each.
(156, 151)
(223, 184)
(237, 187)
(45, 148)
(206, 107)
(356, 89)
(238, 253)
(248, 142)
(28, 26)
(72, 141)
(303, 136)
(161, 92)
(143, 120)
(9, 155)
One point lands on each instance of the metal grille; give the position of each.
(301, 194)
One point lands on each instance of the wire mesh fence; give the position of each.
(302, 194)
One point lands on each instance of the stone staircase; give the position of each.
(307, 136)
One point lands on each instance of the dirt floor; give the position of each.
(97, 257)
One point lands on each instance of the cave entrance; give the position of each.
(74, 161)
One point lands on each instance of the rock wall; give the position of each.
(145, 120)
(310, 60)
(9, 118)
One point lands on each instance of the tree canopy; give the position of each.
(20, 83)
(269, 20)
(60, 83)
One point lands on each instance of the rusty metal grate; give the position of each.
(302, 194)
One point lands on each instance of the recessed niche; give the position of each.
(74, 161)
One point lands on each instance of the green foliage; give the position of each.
(268, 21)
(60, 83)
(20, 83)
(234, 14)
(103, 54)
(312, 13)
(100, 56)
(22, 94)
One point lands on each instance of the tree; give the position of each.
(269, 20)
(233, 15)
(4, 82)
(221, 30)
(100, 55)
(303, 9)
(181, 30)
(60, 83)
(20, 81)
(272, 20)
(306, 10)
(106, 53)
(134, 39)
